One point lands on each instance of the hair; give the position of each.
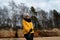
(25, 15)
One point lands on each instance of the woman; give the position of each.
(28, 28)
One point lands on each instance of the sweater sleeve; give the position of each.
(25, 26)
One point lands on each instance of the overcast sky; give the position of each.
(43, 4)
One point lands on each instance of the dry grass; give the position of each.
(7, 33)
(20, 33)
(38, 33)
(49, 33)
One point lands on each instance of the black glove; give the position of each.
(30, 31)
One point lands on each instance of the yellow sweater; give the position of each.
(27, 26)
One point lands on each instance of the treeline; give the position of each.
(45, 20)
(11, 17)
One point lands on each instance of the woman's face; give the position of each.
(28, 17)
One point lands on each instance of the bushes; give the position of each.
(7, 33)
(47, 33)
(38, 33)
(20, 33)
(10, 33)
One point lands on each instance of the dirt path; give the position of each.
(39, 38)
